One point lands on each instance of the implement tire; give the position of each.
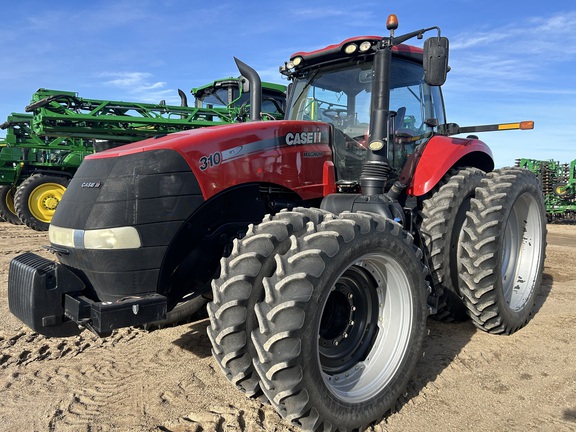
(7, 210)
(239, 288)
(503, 250)
(342, 323)
(36, 199)
(441, 220)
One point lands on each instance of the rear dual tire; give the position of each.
(502, 250)
(441, 220)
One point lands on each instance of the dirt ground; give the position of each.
(166, 380)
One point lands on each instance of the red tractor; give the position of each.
(324, 240)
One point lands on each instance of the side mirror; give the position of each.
(435, 60)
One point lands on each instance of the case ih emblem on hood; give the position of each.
(303, 138)
(92, 185)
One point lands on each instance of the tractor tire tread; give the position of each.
(437, 227)
(234, 290)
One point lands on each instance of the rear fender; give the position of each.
(441, 153)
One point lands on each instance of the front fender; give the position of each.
(440, 154)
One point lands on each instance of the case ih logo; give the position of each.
(91, 185)
(303, 138)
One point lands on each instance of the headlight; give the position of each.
(365, 46)
(350, 49)
(106, 238)
(61, 236)
(112, 238)
(296, 61)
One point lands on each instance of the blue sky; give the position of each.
(511, 60)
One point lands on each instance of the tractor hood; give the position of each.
(284, 153)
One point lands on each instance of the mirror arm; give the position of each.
(418, 33)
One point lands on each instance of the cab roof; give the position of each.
(338, 50)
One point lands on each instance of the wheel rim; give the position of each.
(349, 318)
(381, 311)
(521, 251)
(560, 189)
(44, 199)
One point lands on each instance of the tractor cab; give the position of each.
(335, 85)
(234, 94)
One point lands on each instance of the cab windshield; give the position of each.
(228, 97)
(341, 95)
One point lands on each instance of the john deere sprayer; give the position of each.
(323, 241)
(44, 148)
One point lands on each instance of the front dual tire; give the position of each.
(340, 322)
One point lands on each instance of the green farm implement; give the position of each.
(558, 181)
(58, 113)
(29, 159)
(44, 147)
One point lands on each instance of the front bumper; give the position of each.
(50, 299)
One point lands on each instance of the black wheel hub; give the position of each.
(349, 321)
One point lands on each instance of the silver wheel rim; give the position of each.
(521, 251)
(382, 355)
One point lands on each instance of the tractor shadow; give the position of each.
(446, 341)
(195, 338)
(545, 289)
(443, 344)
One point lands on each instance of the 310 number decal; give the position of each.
(210, 161)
